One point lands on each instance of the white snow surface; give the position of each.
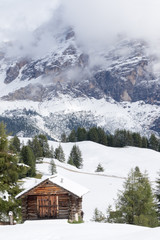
(61, 230)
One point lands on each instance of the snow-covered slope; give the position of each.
(62, 114)
(103, 189)
(117, 163)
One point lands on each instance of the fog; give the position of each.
(97, 23)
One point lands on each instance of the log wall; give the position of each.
(50, 201)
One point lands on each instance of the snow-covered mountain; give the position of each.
(72, 86)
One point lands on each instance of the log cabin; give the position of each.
(53, 198)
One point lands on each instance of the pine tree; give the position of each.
(93, 135)
(52, 168)
(63, 137)
(75, 157)
(102, 137)
(9, 174)
(44, 145)
(153, 143)
(81, 134)
(15, 144)
(36, 147)
(120, 137)
(98, 216)
(136, 204)
(99, 168)
(3, 138)
(137, 140)
(27, 157)
(144, 142)
(72, 136)
(158, 195)
(59, 154)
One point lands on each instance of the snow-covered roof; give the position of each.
(63, 182)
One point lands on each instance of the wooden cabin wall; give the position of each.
(65, 204)
(75, 208)
(24, 208)
(32, 207)
(47, 188)
(29, 208)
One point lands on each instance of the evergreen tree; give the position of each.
(70, 161)
(99, 168)
(27, 157)
(81, 134)
(129, 139)
(120, 138)
(98, 216)
(59, 154)
(63, 137)
(15, 144)
(75, 157)
(158, 195)
(136, 205)
(102, 137)
(110, 140)
(93, 135)
(9, 170)
(137, 141)
(3, 138)
(144, 142)
(72, 136)
(52, 168)
(36, 147)
(44, 145)
(153, 142)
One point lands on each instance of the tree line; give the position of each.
(120, 138)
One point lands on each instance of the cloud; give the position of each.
(100, 21)
(19, 21)
(96, 23)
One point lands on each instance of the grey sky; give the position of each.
(95, 21)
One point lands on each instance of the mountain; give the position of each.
(71, 86)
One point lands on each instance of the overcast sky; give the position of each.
(94, 21)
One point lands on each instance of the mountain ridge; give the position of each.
(122, 76)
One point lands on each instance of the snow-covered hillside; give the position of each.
(63, 113)
(117, 163)
(103, 187)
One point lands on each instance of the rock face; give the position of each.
(126, 75)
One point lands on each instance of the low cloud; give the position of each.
(96, 23)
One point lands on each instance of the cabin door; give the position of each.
(47, 206)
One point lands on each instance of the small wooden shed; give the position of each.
(53, 198)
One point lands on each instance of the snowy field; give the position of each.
(61, 230)
(103, 187)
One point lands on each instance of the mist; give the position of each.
(97, 23)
